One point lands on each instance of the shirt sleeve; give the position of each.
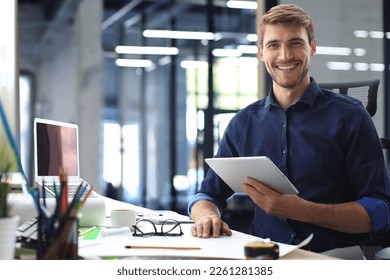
(203, 196)
(378, 211)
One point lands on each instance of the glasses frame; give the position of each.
(139, 232)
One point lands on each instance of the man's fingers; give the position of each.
(210, 226)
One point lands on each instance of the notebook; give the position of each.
(56, 146)
(234, 171)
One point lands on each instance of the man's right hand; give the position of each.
(208, 222)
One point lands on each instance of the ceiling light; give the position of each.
(335, 65)
(252, 37)
(376, 34)
(165, 60)
(145, 63)
(250, 5)
(360, 33)
(226, 52)
(147, 50)
(359, 52)
(333, 51)
(377, 67)
(173, 34)
(250, 49)
(361, 66)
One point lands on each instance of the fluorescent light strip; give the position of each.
(335, 65)
(226, 53)
(359, 52)
(250, 49)
(252, 37)
(333, 51)
(147, 50)
(377, 67)
(122, 62)
(376, 34)
(250, 5)
(361, 66)
(373, 34)
(173, 34)
(360, 33)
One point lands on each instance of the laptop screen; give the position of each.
(56, 147)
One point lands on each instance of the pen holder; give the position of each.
(57, 239)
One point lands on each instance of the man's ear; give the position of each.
(260, 53)
(313, 47)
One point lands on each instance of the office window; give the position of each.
(235, 83)
(121, 158)
(26, 130)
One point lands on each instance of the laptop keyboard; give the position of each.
(72, 190)
(28, 231)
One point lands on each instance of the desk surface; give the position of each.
(225, 247)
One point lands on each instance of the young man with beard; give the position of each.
(324, 142)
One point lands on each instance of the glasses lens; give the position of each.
(145, 228)
(171, 227)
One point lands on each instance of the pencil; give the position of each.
(83, 232)
(162, 247)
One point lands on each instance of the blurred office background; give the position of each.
(147, 121)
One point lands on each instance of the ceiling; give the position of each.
(39, 18)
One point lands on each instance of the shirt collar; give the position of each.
(308, 98)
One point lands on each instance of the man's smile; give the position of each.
(287, 67)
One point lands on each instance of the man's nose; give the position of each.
(285, 53)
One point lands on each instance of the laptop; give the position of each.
(56, 147)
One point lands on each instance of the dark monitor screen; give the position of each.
(56, 148)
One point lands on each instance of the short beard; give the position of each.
(292, 84)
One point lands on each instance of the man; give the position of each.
(324, 142)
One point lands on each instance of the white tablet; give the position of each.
(234, 171)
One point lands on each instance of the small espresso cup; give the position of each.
(123, 218)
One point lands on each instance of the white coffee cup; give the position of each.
(123, 218)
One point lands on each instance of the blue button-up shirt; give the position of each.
(328, 147)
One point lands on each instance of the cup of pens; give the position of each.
(58, 231)
(57, 238)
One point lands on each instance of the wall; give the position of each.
(68, 71)
(335, 22)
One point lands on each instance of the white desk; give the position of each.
(225, 247)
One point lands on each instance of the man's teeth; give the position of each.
(289, 67)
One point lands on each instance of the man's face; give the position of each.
(286, 54)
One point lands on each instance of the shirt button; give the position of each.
(284, 125)
(284, 151)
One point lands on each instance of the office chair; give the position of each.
(366, 92)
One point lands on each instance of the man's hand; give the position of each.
(350, 217)
(272, 202)
(208, 222)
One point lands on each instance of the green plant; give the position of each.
(7, 163)
(4, 206)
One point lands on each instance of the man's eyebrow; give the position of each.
(290, 40)
(271, 42)
(296, 39)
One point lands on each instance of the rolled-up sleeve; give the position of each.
(378, 211)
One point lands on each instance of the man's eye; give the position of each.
(296, 43)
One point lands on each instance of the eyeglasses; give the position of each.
(145, 227)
